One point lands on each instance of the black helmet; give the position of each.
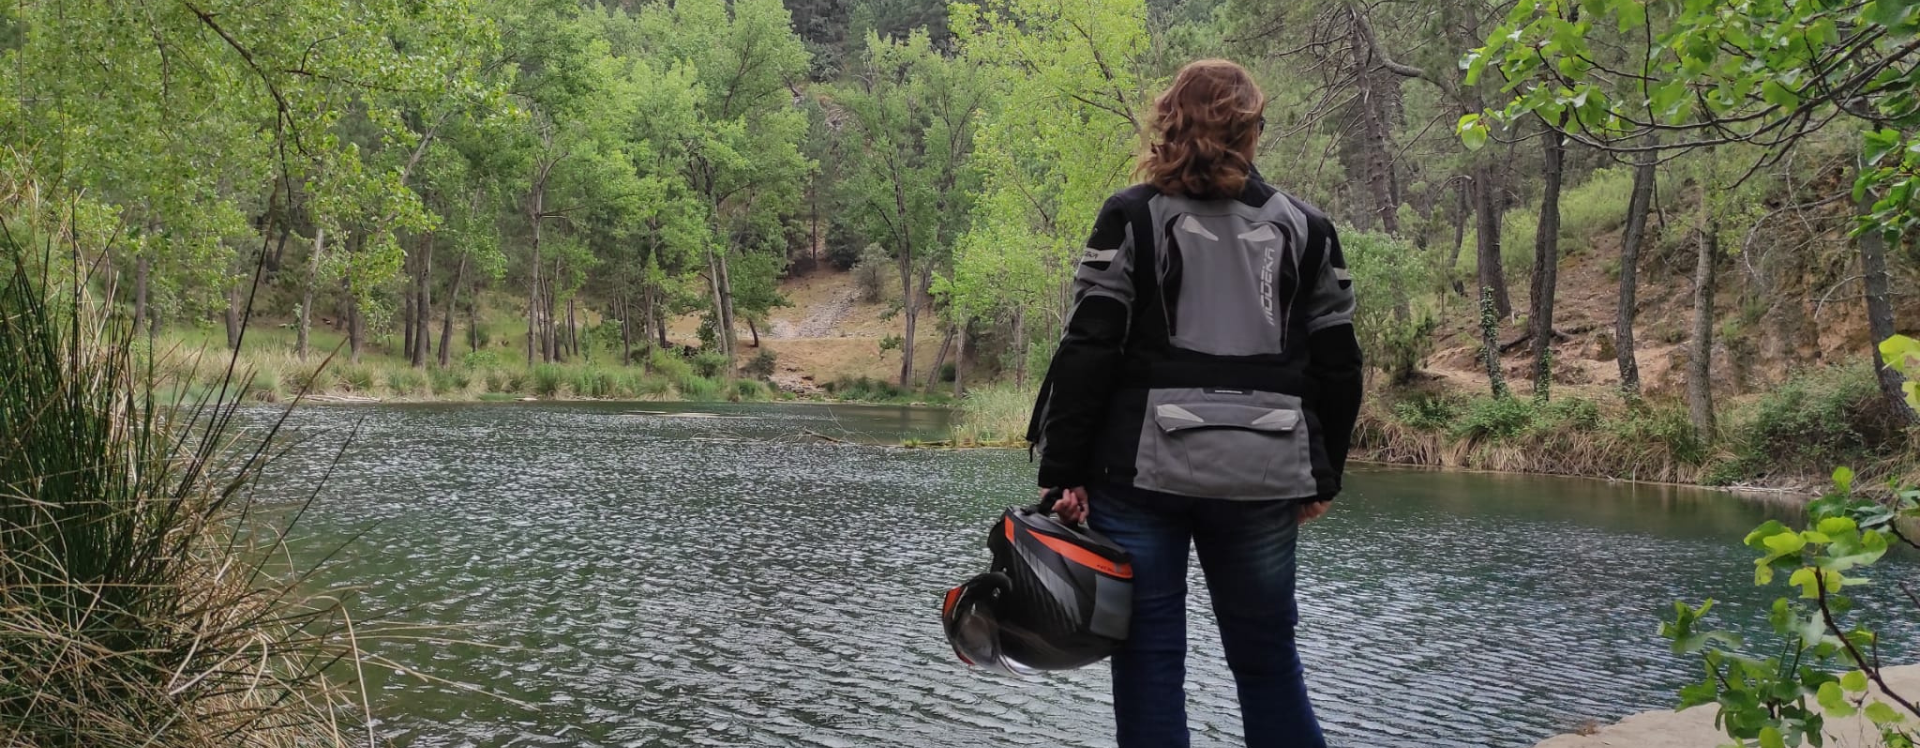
(1058, 597)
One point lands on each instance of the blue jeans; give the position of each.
(1247, 552)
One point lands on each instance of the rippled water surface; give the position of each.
(636, 579)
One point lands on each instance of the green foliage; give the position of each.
(1821, 417)
(1593, 208)
(993, 416)
(1496, 418)
(1387, 276)
(762, 365)
(872, 273)
(747, 390)
(1428, 412)
(1785, 699)
(135, 570)
(710, 365)
(866, 389)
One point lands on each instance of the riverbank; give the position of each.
(1783, 442)
(275, 373)
(1694, 727)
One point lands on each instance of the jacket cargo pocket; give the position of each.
(1226, 445)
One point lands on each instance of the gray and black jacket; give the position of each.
(1210, 351)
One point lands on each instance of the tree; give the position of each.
(743, 158)
(1057, 141)
(1749, 73)
(912, 114)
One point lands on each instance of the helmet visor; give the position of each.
(972, 624)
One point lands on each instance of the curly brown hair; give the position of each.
(1204, 131)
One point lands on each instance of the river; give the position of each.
(618, 578)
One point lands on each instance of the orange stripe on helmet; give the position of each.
(1085, 557)
(953, 596)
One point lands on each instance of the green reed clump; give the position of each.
(995, 415)
(135, 608)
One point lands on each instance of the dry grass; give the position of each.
(142, 602)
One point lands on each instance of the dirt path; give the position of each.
(820, 321)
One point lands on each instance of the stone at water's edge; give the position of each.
(1694, 728)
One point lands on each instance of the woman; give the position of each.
(1204, 394)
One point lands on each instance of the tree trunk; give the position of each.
(1700, 355)
(1873, 264)
(1020, 347)
(423, 308)
(408, 299)
(305, 324)
(1490, 343)
(453, 301)
(1492, 276)
(626, 331)
(573, 325)
(1638, 206)
(939, 359)
(911, 304)
(755, 329)
(730, 339)
(473, 323)
(1546, 262)
(233, 315)
(140, 269)
(1375, 127)
(960, 361)
(533, 284)
(355, 329)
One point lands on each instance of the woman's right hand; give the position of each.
(1072, 506)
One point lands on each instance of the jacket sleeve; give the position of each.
(1080, 380)
(1334, 352)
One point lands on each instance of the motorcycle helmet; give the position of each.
(1057, 597)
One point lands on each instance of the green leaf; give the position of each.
(1842, 479)
(1881, 714)
(1854, 682)
(1877, 144)
(1804, 579)
(1771, 738)
(1473, 132)
(1902, 353)
(1786, 542)
(1833, 699)
(1630, 15)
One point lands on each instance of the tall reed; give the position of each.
(140, 602)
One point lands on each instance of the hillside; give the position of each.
(828, 334)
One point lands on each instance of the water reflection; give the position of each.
(639, 579)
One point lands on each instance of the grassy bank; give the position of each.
(198, 358)
(143, 599)
(1791, 436)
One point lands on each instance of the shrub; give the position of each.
(1495, 418)
(710, 365)
(1387, 273)
(993, 415)
(865, 389)
(1427, 412)
(1664, 428)
(357, 377)
(1597, 206)
(1823, 417)
(1575, 413)
(547, 379)
(136, 577)
(762, 365)
(484, 358)
(448, 381)
(949, 372)
(405, 381)
(696, 387)
(747, 390)
(872, 273)
(668, 365)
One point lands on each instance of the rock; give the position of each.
(1694, 728)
